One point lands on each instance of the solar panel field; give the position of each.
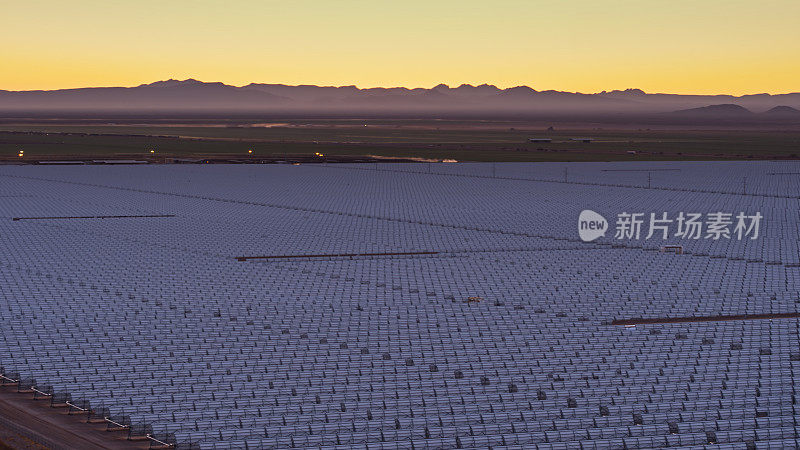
(406, 305)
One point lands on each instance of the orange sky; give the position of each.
(708, 46)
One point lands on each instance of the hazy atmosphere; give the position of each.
(518, 224)
(713, 46)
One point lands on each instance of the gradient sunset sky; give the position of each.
(679, 46)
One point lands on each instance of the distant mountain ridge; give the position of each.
(723, 110)
(197, 96)
(783, 111)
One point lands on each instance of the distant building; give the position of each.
(540, 140)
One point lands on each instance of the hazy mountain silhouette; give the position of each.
(197, 96)
(728, 110)
(667, 102)
(783, 111)
(726, 113)
(162, 95)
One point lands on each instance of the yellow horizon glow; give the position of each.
(687, 47)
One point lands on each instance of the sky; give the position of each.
(678, 46)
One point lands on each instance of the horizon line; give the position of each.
(397, 87)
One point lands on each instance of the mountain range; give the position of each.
(213, 97)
